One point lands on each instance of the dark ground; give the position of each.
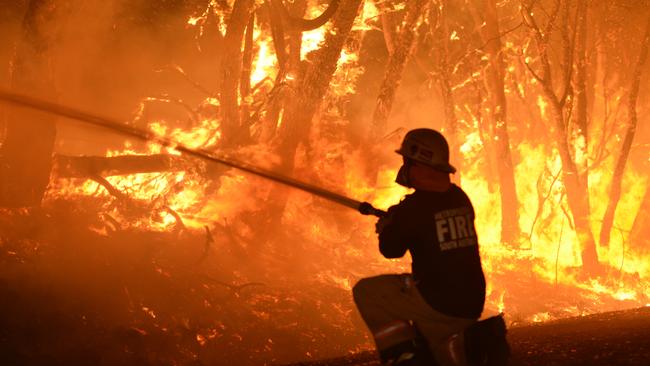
(613, 338)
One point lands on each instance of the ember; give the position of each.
(120, 251)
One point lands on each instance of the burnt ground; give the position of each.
(74, 294)
(612, 338)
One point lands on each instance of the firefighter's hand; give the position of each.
(385, 220)
(381, 224)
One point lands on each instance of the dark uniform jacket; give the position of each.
(438, 229)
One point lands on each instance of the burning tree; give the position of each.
(559, 100)
(532, 95)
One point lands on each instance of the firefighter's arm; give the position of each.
(392, 234)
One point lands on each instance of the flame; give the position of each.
(265, 62)
(311, 41)
(542, 104)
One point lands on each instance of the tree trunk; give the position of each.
(297, 9)
(580, 135)
(26, 153)
(494, 75)
(446, 74)
(314, 84)
(617, 178)
(396, 64)
(399, 49)
(247, 64)
(388, 25)
(640, 234)
(576, 191)
(277, 34)
(231, 70)
(288, 62)
(303, 105)
(87, 166)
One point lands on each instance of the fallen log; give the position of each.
(88, 166)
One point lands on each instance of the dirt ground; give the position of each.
(613, 338)
(70, 295)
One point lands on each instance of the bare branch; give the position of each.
(109, 187)
(387, 25)
(537, 77)
(568, 47)
(277, 33)
(306, 24)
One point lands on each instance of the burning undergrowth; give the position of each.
(138, 296)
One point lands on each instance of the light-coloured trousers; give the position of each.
(386, 301)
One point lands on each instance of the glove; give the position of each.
(385, 220)
(381, 224)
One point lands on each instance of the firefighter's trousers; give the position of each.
(390, 303)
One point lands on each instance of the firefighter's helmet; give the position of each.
(428, 147)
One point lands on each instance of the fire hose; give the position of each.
(364, 208)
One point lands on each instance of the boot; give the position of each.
(403, 354)
(486, 343)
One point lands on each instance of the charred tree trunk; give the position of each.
(26, 153)
(575, 193)
(305, 100)
(247, 64)
(445, 81)
(231, 68)
(313, 85)
(276, 98)
(287, 42)
(617, 178)
(576, 190)
(440, 53)
(278, 36)
(298, 9)
(581, 130)
(399, 49)
(494, 76)
(451, 121)
(397, 60)
(388, 20)
(641, 228)
(89, 166)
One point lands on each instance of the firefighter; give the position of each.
(445, 292)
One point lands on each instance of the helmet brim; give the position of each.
(445, 168)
